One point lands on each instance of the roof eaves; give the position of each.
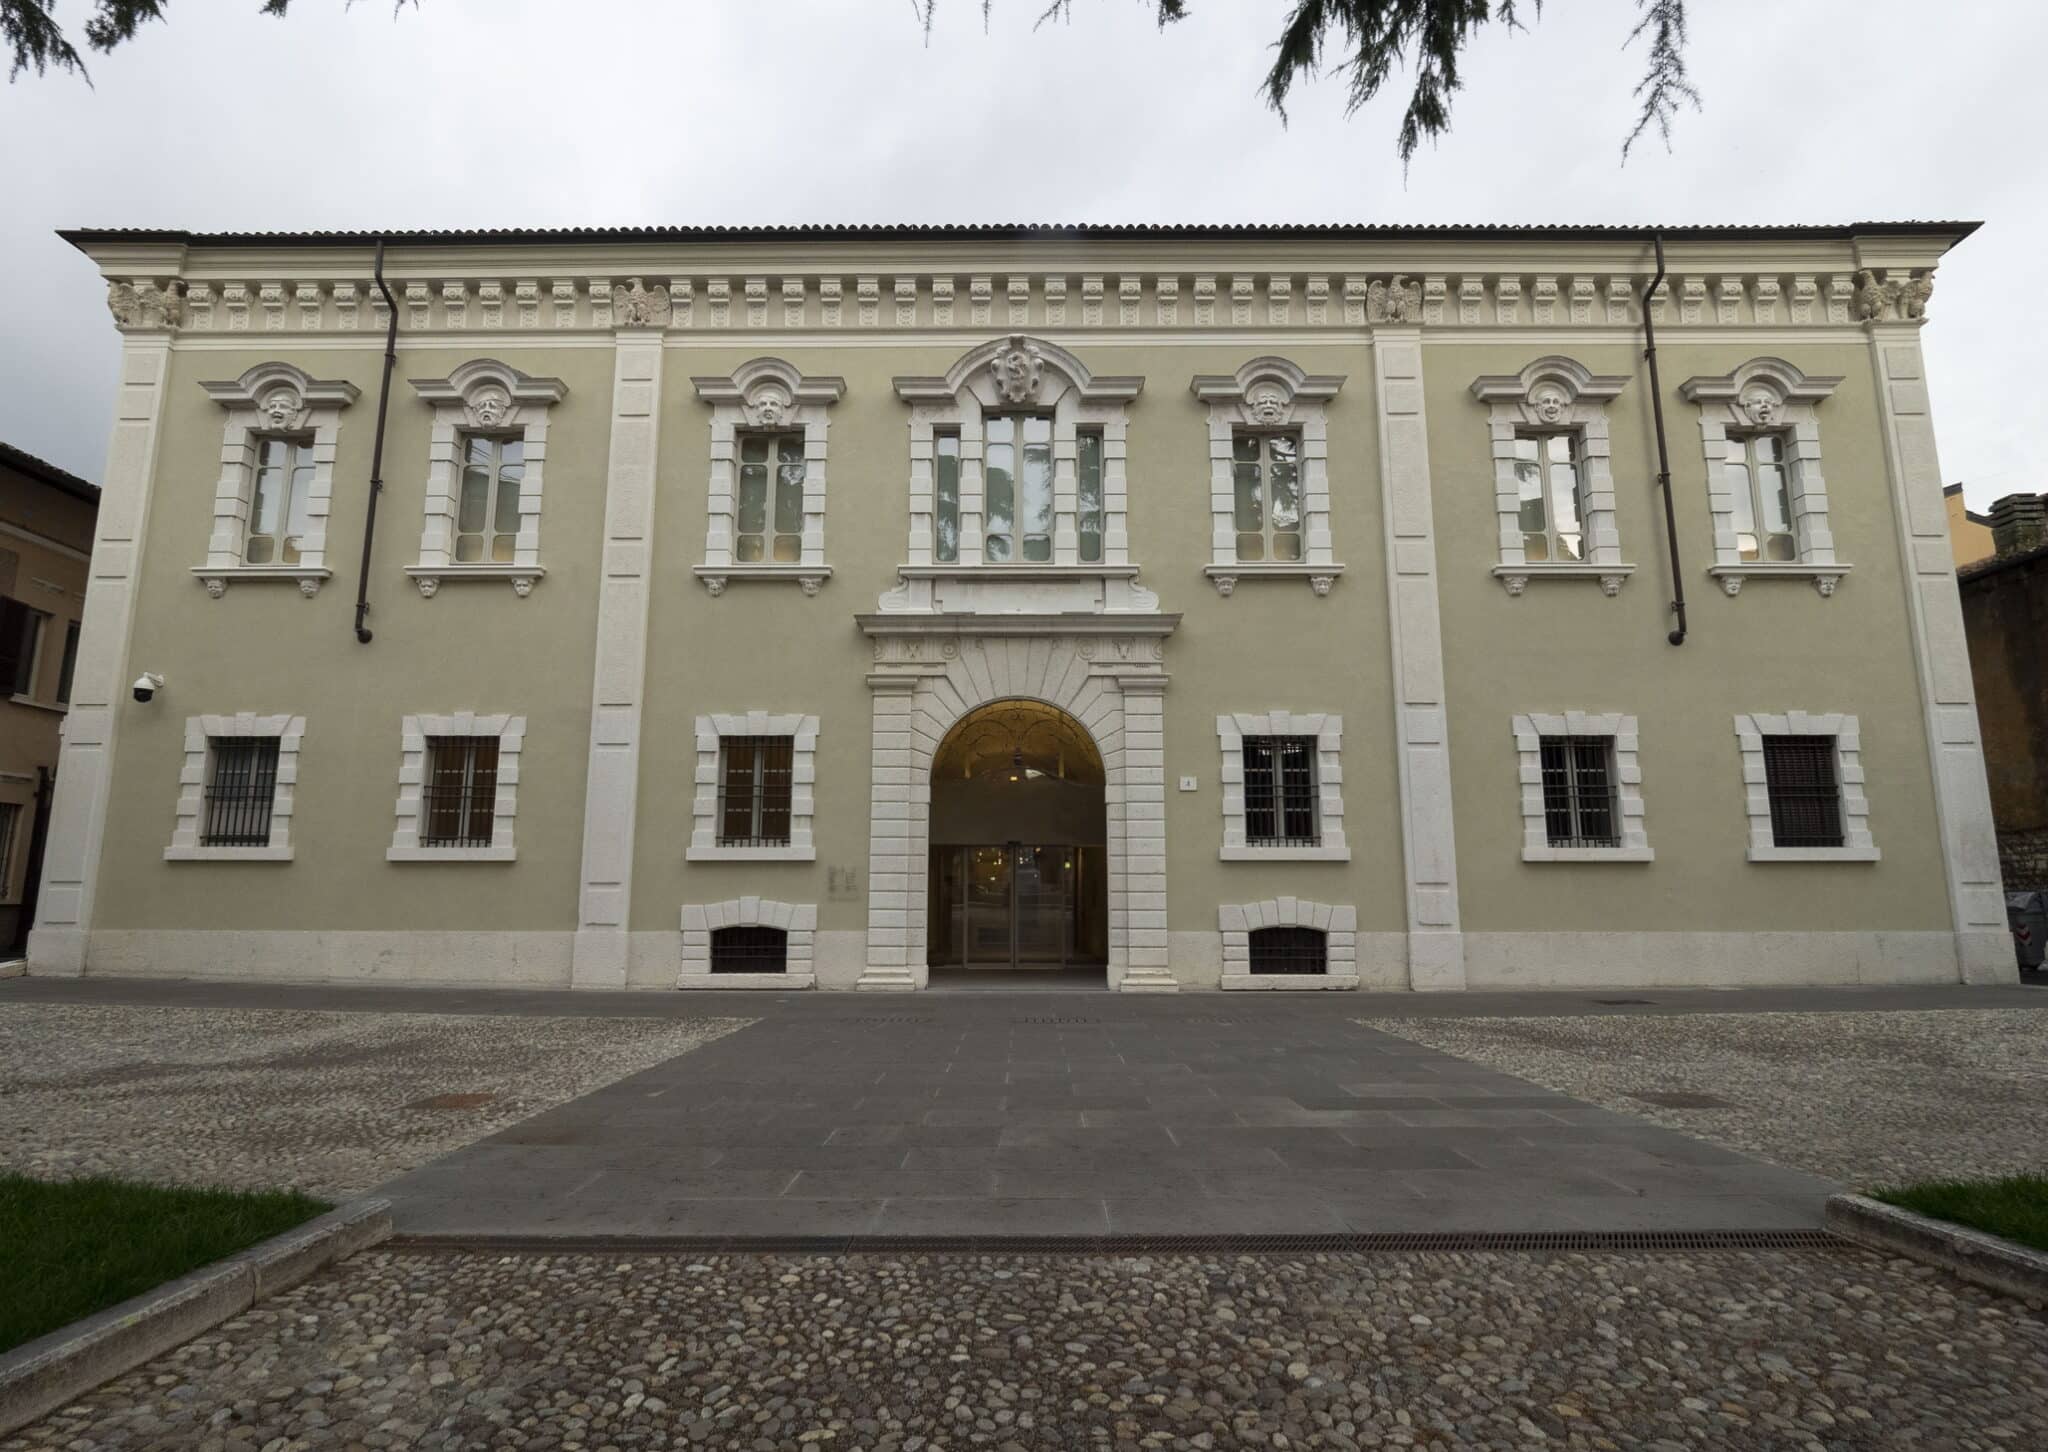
(42, 470)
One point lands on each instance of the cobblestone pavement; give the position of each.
(1811, 1350)
(264, 1098)
(1865, 1098)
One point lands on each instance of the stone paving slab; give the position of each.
(968, 1116)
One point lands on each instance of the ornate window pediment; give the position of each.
(1267, 419)
(277, 477)
(486, 462)
(767, 492)
(1017, 485)
(1553, 479)
(1761, 438)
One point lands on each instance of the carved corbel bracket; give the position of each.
(1514, 584)
(1224, 584)
(1321, 583)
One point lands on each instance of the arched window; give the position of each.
(751, 949)
(1289, 950)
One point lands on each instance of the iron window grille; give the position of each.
(459, 798)
(754, 789)
(1580, 805)
(749, 950)
(1289, 950)
(241, 787)
(1280, 791)
(1806, 797)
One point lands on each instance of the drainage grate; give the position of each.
(1620, 1002)
(452, 1101)
(891, 1018)
(1682, 1099)
(1380, 1243)
(1055, 1020)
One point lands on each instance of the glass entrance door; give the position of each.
(1006, 907)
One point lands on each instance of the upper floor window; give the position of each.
(21, 647)
(770, 519)
(1017, 460)
(1766, 497)
(1266, 480)
(1550, 495)
(1759, 486)
(1269, 475)
(487, 514)
(770, 427)
(458, 798)
(280, 501)
(270, 504)
(486, 457)
(1553, 480)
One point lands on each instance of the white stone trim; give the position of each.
(1017, 372)
(1104, 671)
(1962, 798)
(1768, 395)
(99, 683)
(765, 394)
(1338, 925)
(1328, 730)
(1429, 852)
(1529, 731)
(1750, 731)
(290, 731)
(1269, 395)
(803, 776)
(1560, 395)
(272, 398)
(483, 395)
(414, 731)
(799, 920)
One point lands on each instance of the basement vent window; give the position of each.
(1291, 951)
(749, 950)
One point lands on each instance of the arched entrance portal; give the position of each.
(1018, 843)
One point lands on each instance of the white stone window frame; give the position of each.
(803, 778)
(412, 771)
(765, 395)
(1338, 923)
(1857, 843)
(1555, 394)
(1008, 375)
(798, 920)
(483, 396)
(272, 400)
(1328, 730)
(1768, 395)
(290, 732)
(1529, 730)
(1269, 396)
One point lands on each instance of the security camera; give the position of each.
(147, 685)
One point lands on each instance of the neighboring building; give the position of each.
(1969, 533)
(46, 530)
(1269, 607)
(2005, 614)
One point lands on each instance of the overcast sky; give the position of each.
(479, 113)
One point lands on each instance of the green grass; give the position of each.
(72, 1247)
(2015, 1207)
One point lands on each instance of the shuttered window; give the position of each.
(1806, 797)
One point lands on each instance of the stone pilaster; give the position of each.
(99, 683)
(894, 869)
(1436, 945)
(1144, 829)
(618, 689)
(1962, 799)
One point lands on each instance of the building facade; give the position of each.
(2005, 616)
(1186, 607)
(1969, 533)
(46, 527)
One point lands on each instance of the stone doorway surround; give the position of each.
(1106, 671)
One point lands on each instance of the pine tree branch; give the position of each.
(1664, 85)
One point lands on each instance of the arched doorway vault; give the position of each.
(1105, 676)
(1018, 853)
